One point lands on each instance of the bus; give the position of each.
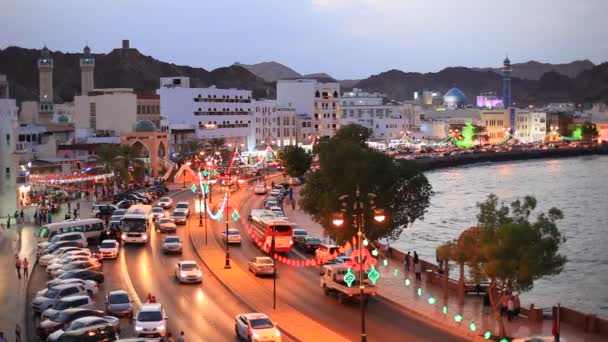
(136, 224)
(264, 222)
(91, 228)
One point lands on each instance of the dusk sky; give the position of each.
(344, 38)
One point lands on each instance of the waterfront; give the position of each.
(575, 185)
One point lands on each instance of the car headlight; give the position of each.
(277, 333)
(256, 336)
(124, 236)
(161, 327)
(138, 328)
(183, 275)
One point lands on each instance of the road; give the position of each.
(299, 287)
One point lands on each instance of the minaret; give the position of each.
(506, 83)
(87, 70)
(45, 71)
(3, 87)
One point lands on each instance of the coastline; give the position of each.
(493, 157)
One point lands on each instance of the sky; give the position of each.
(348, 39)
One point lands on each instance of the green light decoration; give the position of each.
(444, 309)
(432, 300)
(219, 217)
(349, 277)
(214, 172)
(487, 335)
(395, 272)
(373, 275)
(206, 173)
(419, 291)
(472, 326)
(193, 188)
(408, 282)
(385, 262)
(468, 133)
(206, 188)
(577, 134)
(365, 242)
(504, 339)
(235, 215)
(458, 318)
(375, 252)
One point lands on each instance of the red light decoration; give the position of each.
(367, 263)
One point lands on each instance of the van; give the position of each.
(91, 228)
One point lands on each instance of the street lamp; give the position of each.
(227, 264)
(359, 220)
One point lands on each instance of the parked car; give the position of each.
(262, 265)
(74, 301)
(234, 236)
(108, 249)
(179, 217)
(99, 332)
(124, 204)
(118, 303)
(56, 245)
(256, 327)
(72, 236)
(103, 209)
(66, 260)
(80, 274)
(298, 232)
(52, 258)
(53, 294)
(172, 244)
(90, 264)
(89, 285)
(188, 272)
(62, 319)
(86, 323)
(151, 320)
(260, 189)
(165, 225)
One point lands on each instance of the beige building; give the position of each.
(274, 125)
(496, 123)
(148, 108)
(107, 110)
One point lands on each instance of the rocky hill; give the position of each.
(270, 71)
(534, 70)
(589, 86)
(121, 68)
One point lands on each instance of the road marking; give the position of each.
(125, 272)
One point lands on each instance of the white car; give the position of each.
(277, 211)
(91, 264)
(89, 285)
(65, 261)
(165, 202)
(183, 206)
(188, 272)
(179, 217)
(256, 327)
(75, 301)
(172, 244)
(108, 249)
(276, 193)
(118, 214)
(261, 265)
(85, 322)
(53, 294)
(53, 257)
(234, 236)
(260, 189)
(151, 320)
(538, 339)
(72, 236)
(158, 212)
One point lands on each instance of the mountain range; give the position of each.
(533, 82)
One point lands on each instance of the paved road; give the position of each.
(299, 287)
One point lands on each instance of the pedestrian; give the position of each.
(78, 204)
(25, 265)
(15, 215)
(67, 216)
(181, 337)
(49, 218)
(510, 308)
(18, 266)
(387, 248)
(440, 265)
(75, 213)
(417, 269)
(69, 204)
(8, 222)
(516, 304)
(504, 304)
(407, 262)
(22, 216)
(153, 300)
(415, 257)
(169, 337)
(149, 298)
(2, 338)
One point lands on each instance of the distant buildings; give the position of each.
(106, 111)
(489, 101)
(8, 129)
(274, 125)
(530, 125)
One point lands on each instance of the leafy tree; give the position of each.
(353, 132)
(402, 191)
(295, 160)
(106, 154)
(217, 143)
(190, 147)
(589, 131)
(513, 251)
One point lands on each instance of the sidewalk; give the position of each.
(292, 322)
(393, 289)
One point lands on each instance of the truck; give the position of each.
(333, 284)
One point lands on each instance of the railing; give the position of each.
(169, 165)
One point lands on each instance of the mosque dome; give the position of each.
(62, 118)
(145, 126)
(455, 98)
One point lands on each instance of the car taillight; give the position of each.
(291, 242)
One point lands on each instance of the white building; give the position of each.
(320, 101)
(210, 112)
(8, 133)
(386, 121)
(106, 110)
(435, 123)
(530, 125)
(274, 125)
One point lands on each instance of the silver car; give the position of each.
(172, 244)
(261, 265)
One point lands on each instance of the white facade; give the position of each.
(386, 121)
(64, 111)
(211, 112)
(273, 124)
(175, 82)
(530, 125)
(321, 101)
(109, 110)
(8, 133)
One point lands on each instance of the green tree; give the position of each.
(402, 191)
(589, 131)
(217, 143)
(353, 132)
(295, 160)
(514, 251)
(190, 147)
(106, 154)
(128, 156)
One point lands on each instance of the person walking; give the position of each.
(181, 337)
(407, 261)
(26, 265)
(18, 266)
(417, 269)
(2, 338)
(8, 221)
(510, 308)
(69, 204)
(75, 213)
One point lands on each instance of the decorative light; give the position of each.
(444, 309)
(395, 272)
(375, 252)
(235, 215)
(373, 275)
(487, 335)
(432, 300)
(419, 291)
(365, 242)
(379, 215)
(385, 262)
(472, 326)
(338, 220)
(408, 282)
(349, 277)
(458, 318)
(504, 339)
(193, 188)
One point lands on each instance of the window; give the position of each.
(8, 139)
(317, 94)
(93, 115)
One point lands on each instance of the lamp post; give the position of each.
(227, 265)
(359, 221)
(184, 174)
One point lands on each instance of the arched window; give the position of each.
(317, 94)
(335, 94)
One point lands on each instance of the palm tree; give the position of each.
(106, 154)
(217, 143)
(127, 156)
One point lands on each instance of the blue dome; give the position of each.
(145, 126)
(62, 118)
(454, 97)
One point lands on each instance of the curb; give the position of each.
(430, 320)
(228, 287)
(25, 333)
